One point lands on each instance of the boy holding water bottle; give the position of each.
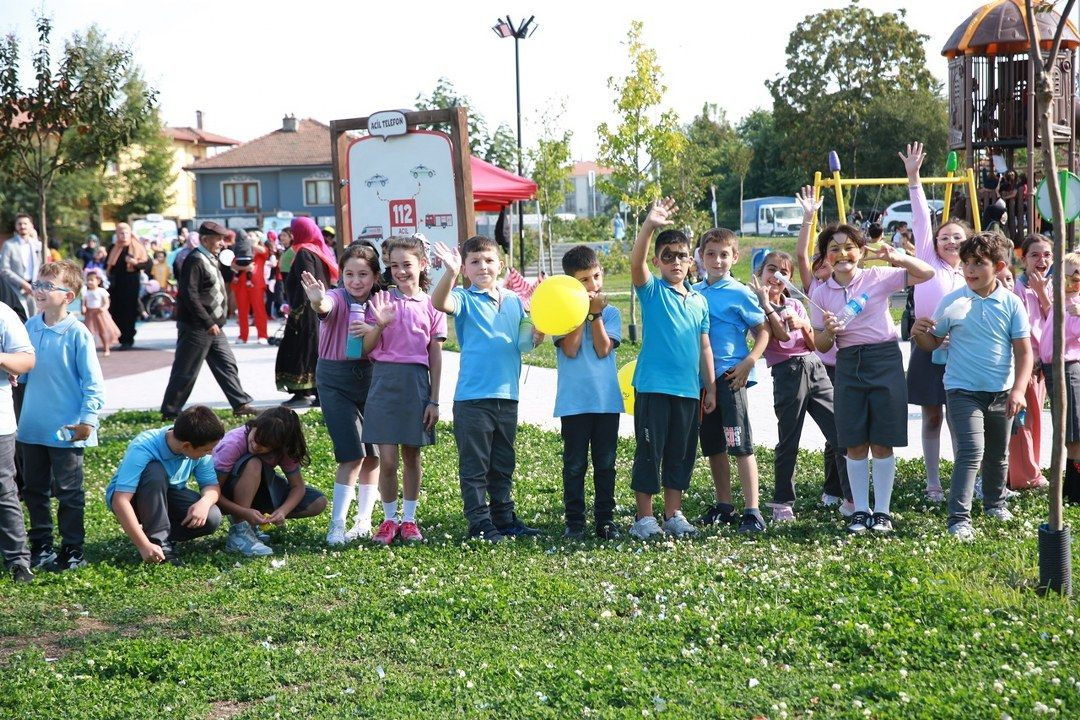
(851, 310)
(986, 375)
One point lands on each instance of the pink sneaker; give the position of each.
(410, 532)
(386, 532)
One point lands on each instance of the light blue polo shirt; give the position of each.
(670, 357)
(981, 332)
(587, 383)
(733, 311)
(487, 330)
(148, 446)
(13, 339)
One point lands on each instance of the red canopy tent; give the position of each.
(494, 188)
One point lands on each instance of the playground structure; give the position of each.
(992, 104)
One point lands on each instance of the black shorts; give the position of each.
(272, 490)
(727, 428)
(666, 430)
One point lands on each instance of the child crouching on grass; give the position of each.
(986, 375)
(252, 493)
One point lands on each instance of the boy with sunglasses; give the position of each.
(674, 365)
(65, 392)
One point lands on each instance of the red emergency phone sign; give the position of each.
(402, 217)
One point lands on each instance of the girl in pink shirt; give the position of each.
(800, 384)
(405, 342)
(343, 379)
(870, 390)
(941, 251)
(1071, 277)
(1033, 287)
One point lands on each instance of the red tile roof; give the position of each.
(582, 167)
(309, 145)
(194, 135)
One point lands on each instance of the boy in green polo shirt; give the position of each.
(674, 365)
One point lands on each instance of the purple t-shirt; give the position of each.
(794, 346)
(1045, 351)
(406, 339)
(874, 324)
(334, 326)
(234, 446)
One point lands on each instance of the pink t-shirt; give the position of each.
(334, 327)
(406, 339)
(1034, 310)
(234, 446)
(795, 346)
(946, 277)
(829, 356)
(874, 324)
(1045, 351)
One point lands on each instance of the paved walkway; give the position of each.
(136, 379)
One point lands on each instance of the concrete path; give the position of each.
(136, 379)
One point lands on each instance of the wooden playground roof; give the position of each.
(998, 28)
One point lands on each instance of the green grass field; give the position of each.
(802, 622)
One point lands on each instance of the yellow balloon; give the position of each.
(626, 386)
(559, 304)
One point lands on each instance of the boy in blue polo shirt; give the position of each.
(986, 374)
(149, 493)
(588, 400)
(64, 394)
(733, 312)
(674, 365)
(492, 330)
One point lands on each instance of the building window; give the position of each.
(570, 203)
(239, 195)
(317, 192)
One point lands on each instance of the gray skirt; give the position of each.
(343, 390)
(870, 396)
(398, 396)
(925, 379)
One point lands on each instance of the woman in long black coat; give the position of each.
(127, 259)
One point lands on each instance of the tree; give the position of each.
(76, 116)
(839, 61)
(701, 164)
(551, 165)
(646, 138)
(502, 148)
(1054, 531)
(146, 187)
(739, 156)
(499, 149)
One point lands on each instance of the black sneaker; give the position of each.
(881, 523)
(751, 523)
(169, 550)
(574, 532)
(859, 523)
(42, 557)
(719, 514)
(608, 531)
(486, 531)
(70, 558)
(516, 528)
(21, 574)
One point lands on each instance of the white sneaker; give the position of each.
(678, 526)
(829, 500)
(962, 531)
(263, 341)
(847, 508)
(999, 513)
(647, 528)
(935, 494)
(336, 534)
(782, 513)
(242, 540)
(360, 529)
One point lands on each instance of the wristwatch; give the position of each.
(592, 316)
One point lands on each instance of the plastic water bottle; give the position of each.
(853, 307)
(354, 346)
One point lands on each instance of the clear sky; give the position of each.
(246, 63)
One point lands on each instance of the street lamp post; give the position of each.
(504, 27)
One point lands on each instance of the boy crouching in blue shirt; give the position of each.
(149, 493)
(986, 375)
(64, 394)
(674, 365)
(588, 400)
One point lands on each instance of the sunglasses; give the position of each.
(671, 257)
(48, 286)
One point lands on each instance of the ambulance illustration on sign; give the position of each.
(433, 220)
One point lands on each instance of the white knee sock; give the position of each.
(408, 510)
(859, 476)
(365, 503)
(931, 447)
(343, 497)
(390, 510)
(884, 474)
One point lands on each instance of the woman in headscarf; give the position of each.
(294, 370)
(127, 259)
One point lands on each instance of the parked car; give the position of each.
(900, 212)
(771, 216)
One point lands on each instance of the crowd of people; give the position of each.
(368, 340)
